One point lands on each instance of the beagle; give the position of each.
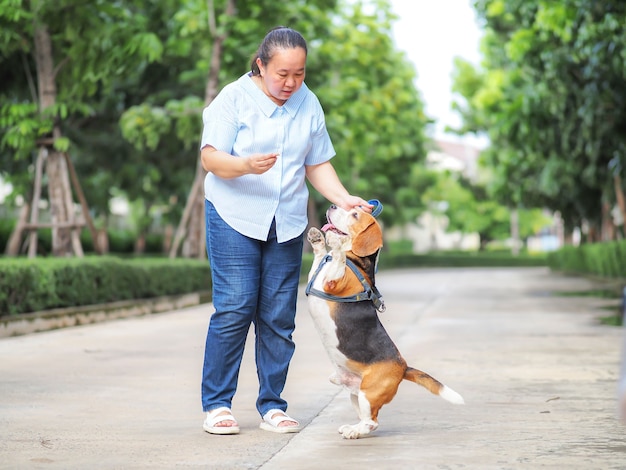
(344, 304)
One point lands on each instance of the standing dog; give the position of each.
(344, 304)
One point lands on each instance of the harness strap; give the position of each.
(369, 292)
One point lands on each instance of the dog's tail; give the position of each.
(433, 385)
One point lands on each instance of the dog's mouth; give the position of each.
(329, 226)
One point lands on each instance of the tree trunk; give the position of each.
(189, 212)
(61, 207)
(619, 196)
(13, 245)
(515, 232)
(95, 235)
(139, 247)
(192, 225)
(568, 238)
(34, 206)
(194, 245)
(65, 240)
(313, 221)
(607, 230)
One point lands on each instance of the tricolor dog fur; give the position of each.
(366, 360)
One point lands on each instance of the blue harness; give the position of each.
(369, 292)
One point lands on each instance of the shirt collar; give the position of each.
(268, 107)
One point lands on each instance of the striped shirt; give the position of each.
(241, 121)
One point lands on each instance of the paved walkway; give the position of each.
(538, 373)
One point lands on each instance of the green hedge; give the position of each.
(43, 283)
(30, 285)
(458, 259)
(606, 259)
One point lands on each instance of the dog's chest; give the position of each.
(326, 328)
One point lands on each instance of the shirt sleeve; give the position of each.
(220, 122)
(322, 148)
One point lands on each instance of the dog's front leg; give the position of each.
(337, 266)
(316, 239)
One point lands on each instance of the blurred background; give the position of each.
(485, 125)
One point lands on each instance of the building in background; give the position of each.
(429, 232)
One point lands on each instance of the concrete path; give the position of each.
(538, 373)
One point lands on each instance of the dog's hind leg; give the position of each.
(366, 424)
(354, 399)
(378, 386)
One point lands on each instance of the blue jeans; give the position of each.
(254, 282)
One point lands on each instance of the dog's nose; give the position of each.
(333, 206)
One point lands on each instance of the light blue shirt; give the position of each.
(241, 121)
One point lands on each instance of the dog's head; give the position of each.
(362, 229)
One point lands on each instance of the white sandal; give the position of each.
(214, 417)
(271, 422)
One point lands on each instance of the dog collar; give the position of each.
(369, 292)
(378, 207)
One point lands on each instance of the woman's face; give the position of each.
(284, 73)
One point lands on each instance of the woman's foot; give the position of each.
(220, 421)
(280, 422)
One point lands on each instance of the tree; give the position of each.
(128, 107)
(63, 61)
(374, 113)
(225, 35)
(551, 98)
(467, 208)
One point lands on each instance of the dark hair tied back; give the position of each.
(280, 37)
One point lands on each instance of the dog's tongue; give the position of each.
(327, 227)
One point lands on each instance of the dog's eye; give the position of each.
(355, 214)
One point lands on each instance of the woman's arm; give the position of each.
(324, 179)
(227, 166)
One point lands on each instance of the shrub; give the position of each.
(606, 259)
(44, 283)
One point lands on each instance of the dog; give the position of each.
(344, 304)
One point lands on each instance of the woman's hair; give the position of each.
(280, 37)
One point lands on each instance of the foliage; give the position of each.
(550, 95)
(599, 259)
(468, 208)
(474, 259)
(46, 283)
(77, 31)
(94, 79)
(374, 113)
(131, 79)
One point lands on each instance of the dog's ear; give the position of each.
(368, 241)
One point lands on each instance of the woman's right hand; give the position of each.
(259, 163)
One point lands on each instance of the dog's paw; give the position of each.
(355, 431)
(348, 431)
(315, 236)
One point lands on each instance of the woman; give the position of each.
(263, 135)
